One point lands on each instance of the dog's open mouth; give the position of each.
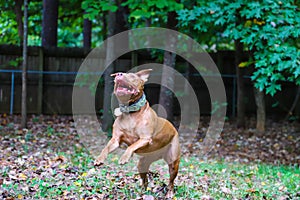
(123, 88)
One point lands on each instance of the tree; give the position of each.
(268, 30)
(19, 15)
(49, 23)
(108, 87)
(116, 23)
(240, 84)
(74, 29)
(260, 110)
(87, 33)
(293, 106)
(24, 68)
(11, 32)
(163, 14)
(70, 25)
(166, 95)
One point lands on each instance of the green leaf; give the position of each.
(108, 7)
(273, 88)
(274, 105)
(261, 63)
(160, 4)
(85, 5)
(275, 58)
(245, 64)
(220, 21)
(137, 14)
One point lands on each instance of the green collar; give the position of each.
(133, 107)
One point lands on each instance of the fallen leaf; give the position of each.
(22, 176)
(148, 197)
(84, 174)
(225, 190)
(251, 190)
(60, 159)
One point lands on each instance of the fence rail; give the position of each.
(13, 72)
(52, 71)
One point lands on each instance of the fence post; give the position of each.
(40, 81)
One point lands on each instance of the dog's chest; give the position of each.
(127, 124)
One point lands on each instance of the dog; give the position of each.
(138, 126)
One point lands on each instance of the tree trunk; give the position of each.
(260, 110)
(24, 69)
(166, 95)
(186, 106)
(19, 15)
(104, 30)
(108, 86)
(49, 23)
(115, 24)
(240, 85)
(296, 101)
(87, 34)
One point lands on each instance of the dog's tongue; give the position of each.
(124, 91)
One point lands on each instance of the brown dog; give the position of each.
(141, 129)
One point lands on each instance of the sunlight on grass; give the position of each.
(234, 180)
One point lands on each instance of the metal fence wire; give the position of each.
(14, 72)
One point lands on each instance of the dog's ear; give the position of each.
(144, 74)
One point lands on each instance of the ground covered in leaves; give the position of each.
(49, 161)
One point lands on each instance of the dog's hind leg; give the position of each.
(143, 168)
(173, 171)
(172, 157)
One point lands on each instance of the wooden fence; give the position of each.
(52, 73)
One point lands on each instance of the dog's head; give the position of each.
(129, 86)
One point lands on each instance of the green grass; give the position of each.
(234, 180)
(77, 178)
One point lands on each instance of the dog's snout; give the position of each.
(119, 76)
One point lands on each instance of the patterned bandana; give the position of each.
(133, 107)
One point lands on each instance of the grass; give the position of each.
(55, 174)
(77, 178)
(223, 180)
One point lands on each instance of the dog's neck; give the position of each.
(134, 106)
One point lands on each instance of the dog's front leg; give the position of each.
(132, 148)
(111, 146)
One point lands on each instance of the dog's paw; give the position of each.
(124, 159)
(170, 194)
